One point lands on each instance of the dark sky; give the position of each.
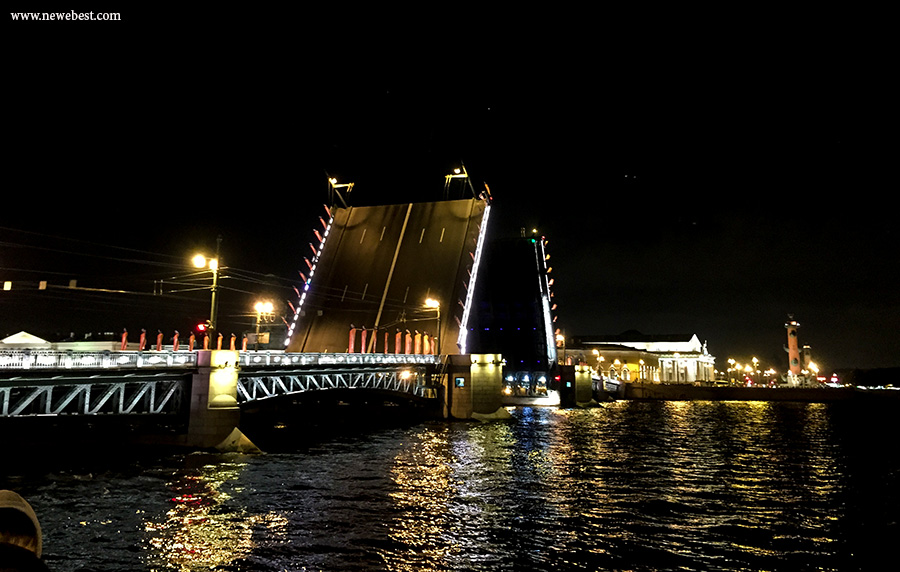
(691, 179)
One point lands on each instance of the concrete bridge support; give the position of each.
(575, 386)
(473, 387)
(584, 392)
(214, 410)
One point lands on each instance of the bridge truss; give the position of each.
(266, 385)
(94, 395)
(55, 387)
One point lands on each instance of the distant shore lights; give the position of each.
(312, 270)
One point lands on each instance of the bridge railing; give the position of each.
(35, 359)
(261, 359)
(66, 360)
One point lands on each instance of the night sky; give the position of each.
(688, 181)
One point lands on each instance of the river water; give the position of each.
(625, 486)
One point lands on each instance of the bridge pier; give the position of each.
(473, 387)
(575, 386)
(214, 411)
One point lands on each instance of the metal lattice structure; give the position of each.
(120, 387)
(265, 385)
(92, 396)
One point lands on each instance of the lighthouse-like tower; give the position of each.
(793, 350)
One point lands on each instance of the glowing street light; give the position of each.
(334, 186)
(458, 173)
(201, 261)
(264, 311)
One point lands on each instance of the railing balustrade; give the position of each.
(69, 360)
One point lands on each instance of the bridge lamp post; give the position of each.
(201, 261)
(436, 306)
(334, 186)
(458, 173)
(264, 310)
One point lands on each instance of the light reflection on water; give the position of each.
(625, 486)
(422, 472)
(201, 529)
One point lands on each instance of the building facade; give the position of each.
(636, 357)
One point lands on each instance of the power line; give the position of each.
(84, 242)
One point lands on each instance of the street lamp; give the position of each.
(334, 186)
(264, 310)
(436, 306)
(458, 173)
(201, 261)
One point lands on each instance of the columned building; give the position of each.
(636, 357)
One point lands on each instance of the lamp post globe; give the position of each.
(212, 264)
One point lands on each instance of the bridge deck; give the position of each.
(376, 268)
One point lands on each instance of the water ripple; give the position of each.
(626, 486)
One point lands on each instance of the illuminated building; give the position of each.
(636, 357)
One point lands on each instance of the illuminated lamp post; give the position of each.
(334, 186)
(458, 173)
(561, 344)
(748, 372)
(201, 261)
(264, 311)
(814, 368)
(436, 306)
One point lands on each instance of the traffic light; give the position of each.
(203, 326)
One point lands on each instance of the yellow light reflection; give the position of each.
(196, 531)
(422, 473)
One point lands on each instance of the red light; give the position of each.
(201, 327)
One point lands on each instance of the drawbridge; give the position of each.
(395, 279)
(411, 300)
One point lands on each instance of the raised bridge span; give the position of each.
(374, 269)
